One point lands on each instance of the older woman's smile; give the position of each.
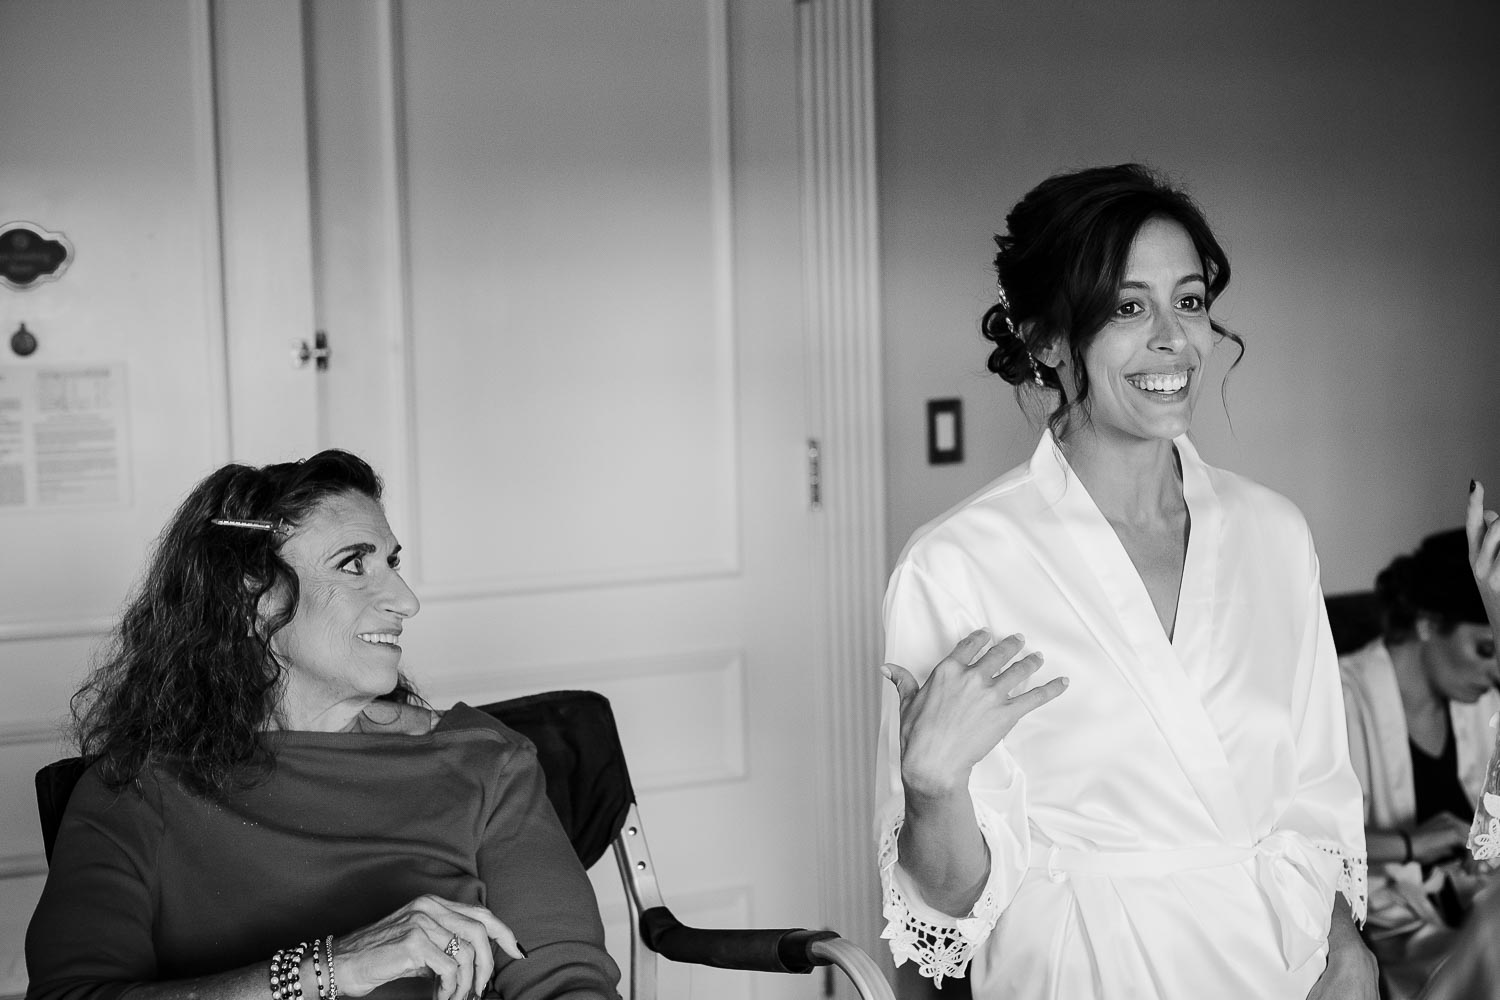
(381, 638)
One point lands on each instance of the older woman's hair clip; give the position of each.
(278, 527)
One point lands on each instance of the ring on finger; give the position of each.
(454, 946)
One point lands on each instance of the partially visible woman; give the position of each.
(270, 811)
(1419, 701)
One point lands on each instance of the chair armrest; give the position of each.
(781, 950)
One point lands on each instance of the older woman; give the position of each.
(1419, 700)
(270, 811)
(1182, 821)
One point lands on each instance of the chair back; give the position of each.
(54, 786)
(1354, 619)
(579, 749)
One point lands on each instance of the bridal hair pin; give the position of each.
(1010, 327)
(1010, 324)
(226, 522)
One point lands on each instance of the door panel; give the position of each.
(569, 238)
(570, 233)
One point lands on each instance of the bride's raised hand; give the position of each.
(968, 704)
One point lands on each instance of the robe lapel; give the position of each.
(1113, 602)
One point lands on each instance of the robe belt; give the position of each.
(1058, 862)
(1296, 879)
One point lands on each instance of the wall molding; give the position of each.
(26, 733)
(25, 864)
(205, 118)
(403, 496)
(465, 590)
(57, 628)
(837, 109)
(614, 679)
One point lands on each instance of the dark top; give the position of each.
(155, 883)
(1436, 780)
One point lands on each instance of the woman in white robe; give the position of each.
(1180, 821)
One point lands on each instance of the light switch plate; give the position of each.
(945, 431)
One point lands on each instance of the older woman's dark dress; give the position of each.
(155, 883)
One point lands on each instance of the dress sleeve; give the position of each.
(536, 885)
(90, 937)
(1327, 810)
(923, 622)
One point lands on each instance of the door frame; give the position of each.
(841, 294)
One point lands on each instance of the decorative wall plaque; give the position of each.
(30, 255)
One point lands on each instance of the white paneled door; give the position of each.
(559, 247)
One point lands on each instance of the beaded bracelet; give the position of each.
(333, 987)
(286, 973)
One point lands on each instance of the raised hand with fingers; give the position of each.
(969, 703)
(967, 706)
(1484, 550)
(428, 936)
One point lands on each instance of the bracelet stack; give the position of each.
(286, 971)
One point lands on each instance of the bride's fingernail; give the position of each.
(1472, 484)
(522, 949)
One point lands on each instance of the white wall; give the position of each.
(1348, 157)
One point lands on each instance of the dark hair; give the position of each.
(1434, 582)
(189, 675)
(1061, 261)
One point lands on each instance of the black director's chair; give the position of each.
(589, 785)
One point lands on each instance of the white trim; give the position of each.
(501, 586)
(403, 496)
(837, 99)
(205, 123)
(56, 628)
(721, 167)
(23, 733)
(27, 864)
(613, 678)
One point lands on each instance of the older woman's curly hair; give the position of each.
(190, 677)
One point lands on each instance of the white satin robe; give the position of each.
(1177, 822)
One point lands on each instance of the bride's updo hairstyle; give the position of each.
(1060, 263)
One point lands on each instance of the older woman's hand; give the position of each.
(1484, 551)
(967, 706)
(429, 935)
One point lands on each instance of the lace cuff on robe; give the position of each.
(940, 944)
(1353, 881)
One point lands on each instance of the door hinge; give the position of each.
(316, 352)
(814, 474)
